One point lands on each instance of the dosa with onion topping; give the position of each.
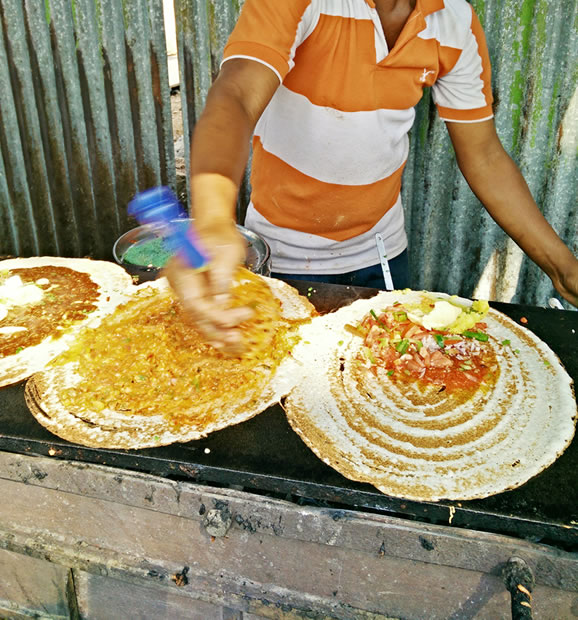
(144, 377)
(44, 300)
(430, 397)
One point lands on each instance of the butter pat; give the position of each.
(441, 317)
(13, 292)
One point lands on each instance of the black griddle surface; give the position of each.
(264, 455)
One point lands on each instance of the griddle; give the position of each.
(264, 455)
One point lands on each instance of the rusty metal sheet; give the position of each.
(16, 124)
(86, 122)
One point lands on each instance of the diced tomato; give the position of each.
(418, 360)
(439, 360)
(388, 356)
(413, 366)
(449, 341)
(425, 355)
(412, 330)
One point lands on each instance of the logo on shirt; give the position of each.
(423, 76)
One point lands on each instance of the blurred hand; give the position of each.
(205, 294)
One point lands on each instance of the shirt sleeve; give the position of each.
(269, 31)
(464, 93)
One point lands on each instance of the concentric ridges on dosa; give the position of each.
(370, 430)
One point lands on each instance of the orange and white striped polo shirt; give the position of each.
(329, 149)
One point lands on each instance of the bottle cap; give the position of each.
(155, 205)
(160, 207)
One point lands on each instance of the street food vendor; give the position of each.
(326, 90)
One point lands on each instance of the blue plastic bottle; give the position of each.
(159, 208)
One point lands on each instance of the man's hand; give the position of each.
(205, 294)
(567, 286)
(500, 186)
(219, 152)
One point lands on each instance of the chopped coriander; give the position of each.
(380, 323)
(476, 335)
(440, 340)
(369, 354)
(402, 346)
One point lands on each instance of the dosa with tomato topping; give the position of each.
(43, 300)
(429, 397)
(145, 377)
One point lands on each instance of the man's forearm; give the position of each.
(222, 136)
(500, 186)
(219, 154)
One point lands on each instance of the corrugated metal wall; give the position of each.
(85, 121)
(455, 245)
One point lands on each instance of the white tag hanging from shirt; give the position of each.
(384, 264)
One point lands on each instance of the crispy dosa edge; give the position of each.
(42, 389)
(305, 410)
(113, 282)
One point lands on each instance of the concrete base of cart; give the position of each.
(89, 541)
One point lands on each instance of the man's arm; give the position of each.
(219, 153)
(498, 183)
(222, 136)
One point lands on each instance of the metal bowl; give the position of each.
(143, 254)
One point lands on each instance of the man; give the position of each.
(327, 90)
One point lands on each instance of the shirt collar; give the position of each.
(430, 6)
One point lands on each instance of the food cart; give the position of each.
(249, 523)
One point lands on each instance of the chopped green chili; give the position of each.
(402, 346)
(476, 335)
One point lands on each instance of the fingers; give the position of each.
(205, 295)
(226, 255)
(567, 283)
(221, 329)
(570, 296)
